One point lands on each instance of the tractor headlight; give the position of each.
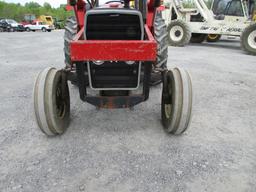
(129, 62)
(98, 62)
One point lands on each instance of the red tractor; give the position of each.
(113, 53)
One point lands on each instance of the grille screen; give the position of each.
(113, 26)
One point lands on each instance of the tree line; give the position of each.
(17, 11)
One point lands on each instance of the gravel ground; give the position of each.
(127, 150)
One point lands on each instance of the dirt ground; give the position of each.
(128, 150)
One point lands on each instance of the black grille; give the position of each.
(114, 75)
(113, 26)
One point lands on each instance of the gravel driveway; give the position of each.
(127, 150)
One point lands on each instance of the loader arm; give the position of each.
(204, 10)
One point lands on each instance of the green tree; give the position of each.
(47, 6)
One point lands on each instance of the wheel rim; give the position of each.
(212, 36)
(176, 33)
(168, 107)
(252, 39)
(168, 110)
(60, 103)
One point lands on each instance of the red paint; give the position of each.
(87, 50)
(117, 50)
(84, 50)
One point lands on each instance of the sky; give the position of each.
(54, 3)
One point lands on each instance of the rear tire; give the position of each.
(177, 99)
(70, 33)
(179, 33)
(211, 38)
(197, 38)
(51, 102)
(248, 39)
(160, 34)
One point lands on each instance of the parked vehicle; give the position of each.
(46, 19)
(231, 17)
(13, 25)
(59, 24)
(4, 27)
(38, 26)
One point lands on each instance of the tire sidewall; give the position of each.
(244, 39)
(174, 99)
(59, 124)
(186, 33)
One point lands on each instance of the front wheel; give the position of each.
(52, 102)
(11, 30)
(28, 29)
(179, 33)
(248, 39)
(44, 29)
(177, 99)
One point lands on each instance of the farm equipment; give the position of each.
(254, 15)
(224, 7)
(58, 24)
(111, 52)
(227, 17)
(46, 19)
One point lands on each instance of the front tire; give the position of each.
(51, 102)
(44, 29)
(177, 99)
(179, 33)
(248, 39)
